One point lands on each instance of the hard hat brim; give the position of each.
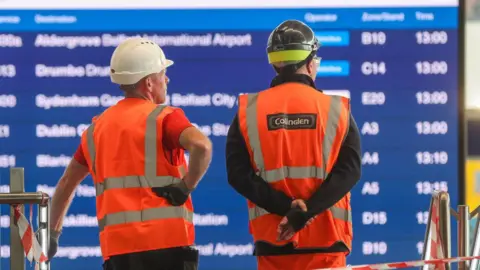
(168, 63)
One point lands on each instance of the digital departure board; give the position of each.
(398, 61)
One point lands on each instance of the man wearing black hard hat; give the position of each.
(294, 154)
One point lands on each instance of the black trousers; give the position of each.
(179, 258)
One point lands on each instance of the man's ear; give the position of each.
(310, 67)
(149, 84)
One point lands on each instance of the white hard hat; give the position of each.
(136, 58)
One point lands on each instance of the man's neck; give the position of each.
(297, 77)
(136, 95)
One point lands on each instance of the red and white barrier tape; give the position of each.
(436, 247)
(30, 244)
(437, 253)
(398, 265)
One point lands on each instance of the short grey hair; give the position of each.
(134, 87)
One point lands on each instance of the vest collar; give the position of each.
(298, 78)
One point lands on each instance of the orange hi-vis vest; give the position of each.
(124, 152)
(294, 133)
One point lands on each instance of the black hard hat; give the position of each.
(292, 41)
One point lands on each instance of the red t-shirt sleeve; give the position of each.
(173, 125)
(79, 156)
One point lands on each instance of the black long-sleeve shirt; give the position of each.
(342, 178)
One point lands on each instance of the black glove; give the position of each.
(176, 194)
(297, 218)
(53, 246)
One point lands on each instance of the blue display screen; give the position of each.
(399, 66)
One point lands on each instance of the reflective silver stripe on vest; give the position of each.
(271, 176)
(253, 132)
(151, 153)
(145, 215)
(291, 172)
(134, 181)
(334, 114)
(149, 180)
(338, 213)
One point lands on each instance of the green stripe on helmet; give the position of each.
(284, 56)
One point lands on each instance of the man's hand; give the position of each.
(176, 194)
(285, 229)
(299, 203)
(53, 246)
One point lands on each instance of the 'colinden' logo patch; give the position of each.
(292, 121)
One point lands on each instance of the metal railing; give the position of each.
(18, 196)
(441, 202)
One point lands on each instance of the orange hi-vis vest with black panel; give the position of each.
(124, 152)
(294, 134)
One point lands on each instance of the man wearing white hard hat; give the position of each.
(134, 151)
